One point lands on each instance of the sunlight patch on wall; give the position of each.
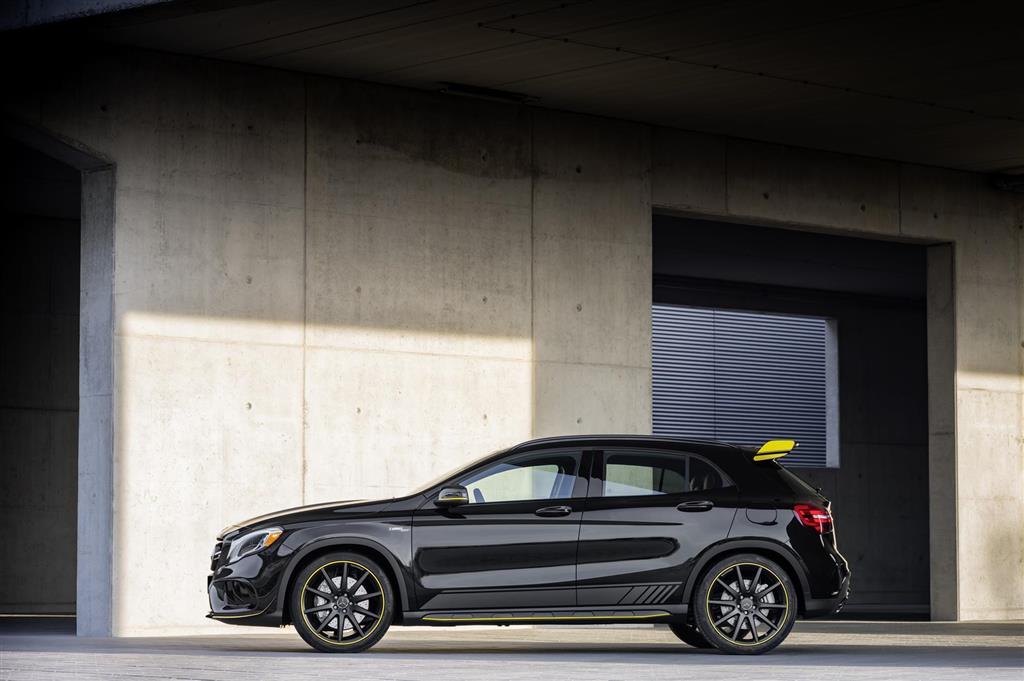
(219, 420)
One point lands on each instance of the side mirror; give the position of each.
(452, 496)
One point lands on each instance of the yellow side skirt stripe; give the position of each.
(433, 618)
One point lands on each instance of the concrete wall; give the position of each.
(38, 382)
(418, 286)
(987, 229)
(592, 264)
(327, 289)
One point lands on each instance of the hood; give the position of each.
(263, 519)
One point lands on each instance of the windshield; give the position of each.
(420, 489)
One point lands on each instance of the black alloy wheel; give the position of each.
(689, 634)
(745, 604)
(342, 603)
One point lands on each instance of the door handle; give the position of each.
(553, 511)
(696, 506)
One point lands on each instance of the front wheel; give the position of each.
(342, 603)
(745, 604)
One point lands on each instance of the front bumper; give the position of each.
(246, 591)
(234, 601)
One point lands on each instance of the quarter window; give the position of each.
(548, 476)
(635, 474)
(702, 476)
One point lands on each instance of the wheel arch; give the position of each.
(772, 550)
(366, 547)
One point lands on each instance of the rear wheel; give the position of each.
(688, 633)
(745, 604)
(342, 603)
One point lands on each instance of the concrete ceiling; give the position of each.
(938, 83)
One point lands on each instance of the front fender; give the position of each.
(340, 542)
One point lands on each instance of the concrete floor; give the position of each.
(815, 650)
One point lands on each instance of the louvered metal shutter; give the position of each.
(743, 377)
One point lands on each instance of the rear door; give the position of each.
(649, 513)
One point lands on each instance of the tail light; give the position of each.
(815, 517)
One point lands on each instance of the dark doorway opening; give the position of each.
(40, 204)
(875, 293)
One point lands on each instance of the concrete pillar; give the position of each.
(95, 425)
(942, 479)
(984, 479)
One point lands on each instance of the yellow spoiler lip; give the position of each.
(775, 449)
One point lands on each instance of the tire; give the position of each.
(333, 619)
(687, 633)
(745, 604)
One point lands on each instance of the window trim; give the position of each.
(595, 488)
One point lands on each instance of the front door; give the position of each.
(649, 514)
(513, 545)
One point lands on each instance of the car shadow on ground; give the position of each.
(557, 653)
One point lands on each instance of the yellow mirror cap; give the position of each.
(774, 449)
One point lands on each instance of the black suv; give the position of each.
(720, 542)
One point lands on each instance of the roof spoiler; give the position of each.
(775, 449)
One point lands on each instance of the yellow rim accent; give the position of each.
(432, 618)
(376, 624)
(785, 613)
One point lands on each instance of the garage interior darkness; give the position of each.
(40, 208)
(875, 291)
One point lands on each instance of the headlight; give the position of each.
(253, 542)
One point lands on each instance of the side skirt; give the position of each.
(610, 615)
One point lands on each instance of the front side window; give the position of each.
(544, 476)
(630, 474)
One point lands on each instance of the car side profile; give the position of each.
(719, 542)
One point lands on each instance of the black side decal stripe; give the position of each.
(657, 596)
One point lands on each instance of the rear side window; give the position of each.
(629, 474)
